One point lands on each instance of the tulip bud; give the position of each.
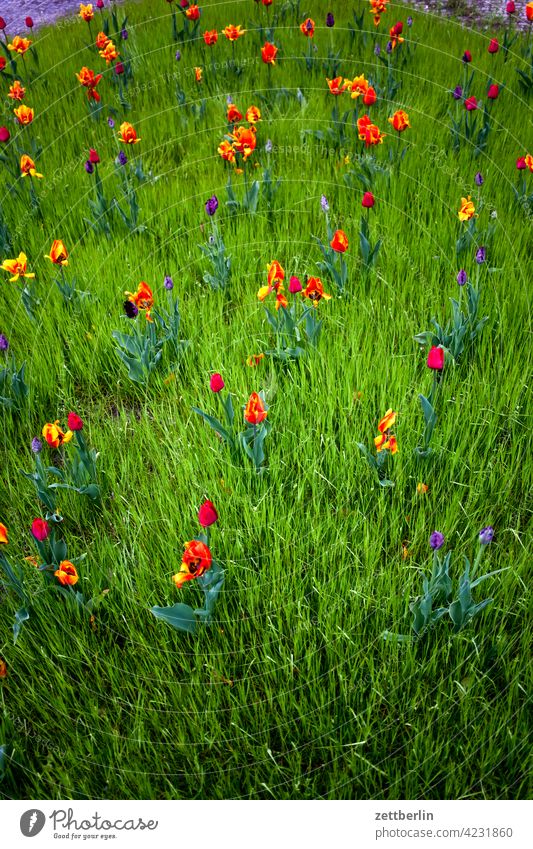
(29, 22)
(93, 156)
(368, 200)
(4, 134)
(40, 529)
(436, 358)
(295, 285)
(207, 514)
(74, 422)
(216, 384)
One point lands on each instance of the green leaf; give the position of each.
(21, 616)
(215, 424)
(180, 616)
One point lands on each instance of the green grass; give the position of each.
(293, 693)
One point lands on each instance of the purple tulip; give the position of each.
(89, 167)
(377, 50)
(330, 20)
(457, 92)
(168, 282)
(462, 277)
(178, 55)
(124, 34)
(481, 255)
(110, 123)
(409, 21)
(211, 205)
(486, 535)
(389, 47)
(436, 540)
(121, 158)
(478, 179)
(131, 309)
(4, 344)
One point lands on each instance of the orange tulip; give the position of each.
(255, 412)
(192, 12)
(19, 45)
(400, 121)
(232, 32)
(197, 559)
(87, 12)
(528, 159)
(127, 134)
(27, 167)
(17, 267)
(467, 209)
(253, 115)
(198, 75)
(387, 421)
(308, 27)
(102, 40)
(314, 291)
(369, 96)
(109, 53)
(143, 298)
(254, 359)
(210, 37)
(58, 253)
(89, 80)
(3, 668)
(339, 242)
(233, 114)
(268, 53)
(226, 151)
(357, 86)
(337, 85)
(369, 132)
(16, 91)
(3, 534)
(275, 273)
(55, 436)
(244, 141)
(529, 12)
(24, 115)
(66, 574)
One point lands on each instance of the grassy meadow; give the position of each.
(292, 691)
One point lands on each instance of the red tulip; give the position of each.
(521, 163)
(4, 134)
(368, 200)
(2, 23)
(74, 422)
(40, 529)
(216, 384)
(510, 8)
(467, 56)
(493, 92)
(119, 68)
(29, 22)
(494, 45)
(295, 285)
(3, 62)
(93, 156)
(207, 514)
(436, 358)
(470, 104)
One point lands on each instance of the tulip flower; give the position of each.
(436, 540)
(244, 141)
(330, 19)
(192, 13)
(143, 298)
(36, 445)
(295, 285)
(470, 104)
(74, 422)
(24, 115)
(368, 200)
(102, 40)
(58, 253)
(197, 559)
(127, 134)
(467, 209)
(207, 514)
(370, 96)
(86, 12)
(494, 45)
(16, 91)
(29, 22)
(337, 85)
(19, 45)
(467, 57)
(314, 291)
(358, 86)
(436, 358)
(66, 574)
(529, 12)
(211, 205)
(253, 115)
(233, 115)
(339, 243)
(511, 7)
(308, 27)
(400, 121)
(3, 534)
(216, 384)
(486, 535)
(493, 92)
(17, 267)
(462, 277)
(422, 488)
(232, 32)
(255, 412)
(4, 134)
(40, 529)
(3, 62)
(3, 668)
(55, 436)
(268, 53)
(198, 73)
(27, 167)
(4, 344)
(109, 53)
(210, 37)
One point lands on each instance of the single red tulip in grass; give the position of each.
(216, 384)
(493, 92)
(40, 529)
(494, 45)
(74, 422)
(207, 514)
(93, 156)
(368, 200)
(470, 104)
(436, 359)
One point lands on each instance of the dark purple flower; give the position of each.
(389, 47)
(178, 55)
(409, 21)
(457, 92)
(330, 20)
(110, 123)
(121, 158)
(478, 179)
(168, 282)
(36, 445)
(4, 344)
(211, 205)
(324, 203)
(124, 34)
(462, 277)
(467, 57)
(436, 540)
(131, 309)
(89, 167)
(481, 255)
(486, 535)
(377, 50)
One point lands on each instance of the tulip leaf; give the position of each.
(179, 616)
(21, 616)
(215, 424)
